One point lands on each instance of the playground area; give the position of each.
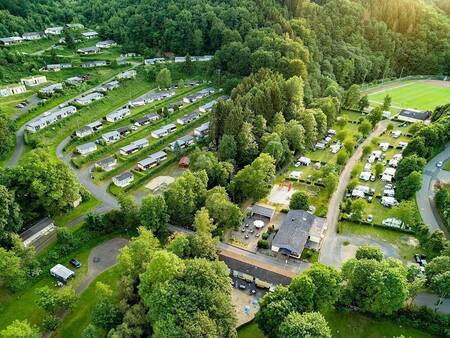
(246, 305)
(281, 194)
(416, 94)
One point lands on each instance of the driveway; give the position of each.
(429, 300)
(425, 196)
(101, 258)
(341, 248)
(327, 253)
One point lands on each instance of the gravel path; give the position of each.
(327, 254)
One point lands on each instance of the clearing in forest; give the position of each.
(422, 95)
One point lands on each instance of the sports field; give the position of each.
(422, 95)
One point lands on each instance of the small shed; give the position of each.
(184, 162)
(295, 175)
(263, 210)
(61, 273)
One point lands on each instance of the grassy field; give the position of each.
(351, 324)
(35, 46)
(82, 209)
(447, 166)
(76, 321)
(402, 241)
(424, 95)
(22, 305)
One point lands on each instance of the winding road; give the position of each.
(425, 196)
(328, 251)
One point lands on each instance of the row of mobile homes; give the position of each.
(89, 98)
(129, 74)
(182, 142)
(51, 118)
(199, 95)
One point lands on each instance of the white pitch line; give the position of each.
(390, 88)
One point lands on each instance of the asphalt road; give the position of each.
(425, 196)
(327, 254)
(101, 258)
(100, 191)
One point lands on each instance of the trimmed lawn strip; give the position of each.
(82, 209)
(397, 239)
(77, 320)
(447, 166)
(35, 46)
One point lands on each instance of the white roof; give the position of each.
(389, 171)
(365, 175)
(363, 188)
(386, 178)
(388, 200)
(295, 174)
(357, 193)
(61, 271)
(304, 159)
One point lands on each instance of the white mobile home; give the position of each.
(118, 115)
(124, 179)
(86, 149)
(34, 80)
(134, 147)
(111, 137)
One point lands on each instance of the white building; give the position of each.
(85, 149)
(54, 30)
(118, 115)
(105, 44)
(89, 98)
(202, 131)
(134, 147)
(12, 90)
(123, 180)
(163, 131)
(30, 36)
(90, 35)
(34, 80)
(111, 137)
(52, 89)
(129, 74)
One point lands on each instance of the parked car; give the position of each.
(242, 286)
(75, 263)
(439, 164)
(370, 218)
(372, 178)
(417, 258)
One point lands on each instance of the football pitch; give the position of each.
(422, 95)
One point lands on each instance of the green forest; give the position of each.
(347, 41)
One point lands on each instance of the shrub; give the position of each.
(263, 244)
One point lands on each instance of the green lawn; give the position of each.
(35, 46)
(76, 321)
(98, 75)
(349, 324)
(22, 305)
(395, 238)
(82, 209)
(447, 166)
(424, 95)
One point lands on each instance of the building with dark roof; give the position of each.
(413, 115)
(295, 232)
(263, 210)
(38, 231)
(240, 269)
